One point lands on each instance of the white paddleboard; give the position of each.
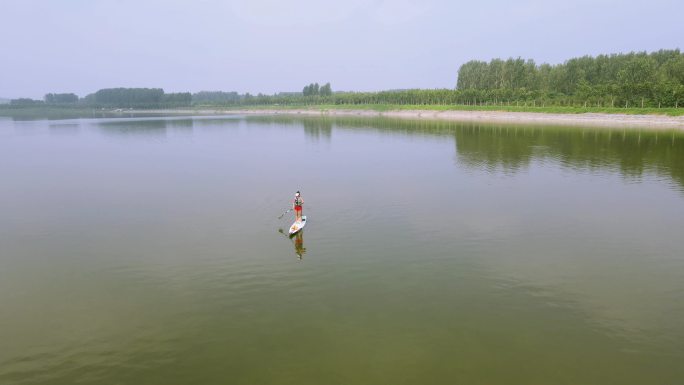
(297, 226)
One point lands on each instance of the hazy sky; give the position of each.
(267, 46)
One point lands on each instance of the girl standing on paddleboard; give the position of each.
(297, 206)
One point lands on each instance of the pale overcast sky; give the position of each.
(268, 46)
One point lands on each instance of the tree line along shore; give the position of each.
(625, 83)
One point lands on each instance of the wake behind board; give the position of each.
(298, 226)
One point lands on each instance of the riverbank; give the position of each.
(669, 119)
(492, 116)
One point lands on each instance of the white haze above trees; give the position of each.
(269, 46)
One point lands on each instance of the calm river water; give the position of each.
(148, 251)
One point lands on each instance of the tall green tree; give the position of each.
(60, 98)
(325, 90)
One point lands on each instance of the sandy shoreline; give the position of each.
(584, 120)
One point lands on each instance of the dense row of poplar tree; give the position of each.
(639, 79)
(113, 98)
(620, 80)
(314, 89)
(137, 98)
(633, 79)
(61, 98)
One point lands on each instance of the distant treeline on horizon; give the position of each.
(639, 79)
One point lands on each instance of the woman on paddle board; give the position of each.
(297, 206)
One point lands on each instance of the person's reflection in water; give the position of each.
(300, 250)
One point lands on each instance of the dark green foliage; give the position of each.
(61, 98)
(633, 79)
(25, 102)
(627, 81)
(215, 97)
(137, 98)
(325, 90)
(314, 89)
(128, 97)
(178, 99)
(311, 90)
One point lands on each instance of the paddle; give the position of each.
(283, 214)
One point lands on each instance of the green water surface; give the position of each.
(148, 251)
